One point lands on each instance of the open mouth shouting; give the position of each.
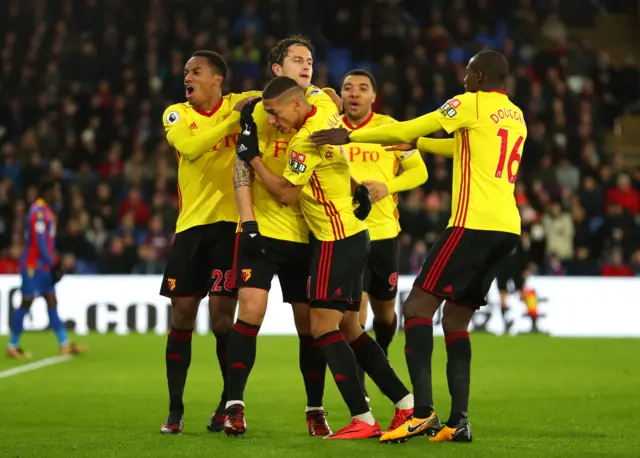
(189, 90)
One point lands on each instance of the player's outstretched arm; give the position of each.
(242, 179)
(400, 132)
(282, 189)
(192, 147)
(440, 146)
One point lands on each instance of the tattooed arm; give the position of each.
(242, 179)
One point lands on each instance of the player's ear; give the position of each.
(276, 69)
(218, 79)
(373, 99)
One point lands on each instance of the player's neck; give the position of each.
(210, 104)
(357, 122)
(493, 88)
(306, 112)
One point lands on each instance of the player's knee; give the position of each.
(184, 311)
(323, 320)
(250, 312)
(455, 318)
(301, 318)
(383, 310)
(26, 304)
(221, 324)
(411, 306)
(222, 311)
(350, 326)
(52, 301)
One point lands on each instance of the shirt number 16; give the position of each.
(514, 156)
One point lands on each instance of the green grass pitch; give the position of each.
(530, 396)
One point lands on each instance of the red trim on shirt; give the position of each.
(499, 92)
(208, 114)
(362, 124)
(313, 111)
(337, 227)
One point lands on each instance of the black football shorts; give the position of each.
(463, 263)
(337, 270)
(200, 262)
(289, 260)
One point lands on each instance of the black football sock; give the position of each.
(362, 375)
(178, 359)
(241, 355)
(385, 332)
(342, 363)
(418, 350)
(221, 352)
(313, 368)
(375, 363)
(458, 375)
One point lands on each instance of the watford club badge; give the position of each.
(246, 275)
(172, 283)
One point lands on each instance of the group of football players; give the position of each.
(279, 183)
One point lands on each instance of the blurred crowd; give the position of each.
(83, 84)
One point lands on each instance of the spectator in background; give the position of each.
(568, 175)
(118, 258)
(10, 261)
(135, 205)
(624, 195)
(157, 237)
(616, 267)
(559, 231)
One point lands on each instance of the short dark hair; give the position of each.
(45, 186)
(493, 64)
(216, 61)
(362, 72)
(280, 50)
(278, 86)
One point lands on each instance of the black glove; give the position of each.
(362, 197)
(251, 239)
(56, 272)
(246, 114)
(247, 147)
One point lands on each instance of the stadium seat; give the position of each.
(339, 62)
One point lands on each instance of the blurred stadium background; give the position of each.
(83, 84)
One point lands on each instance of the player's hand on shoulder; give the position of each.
(247, 104)
(377, 189)
(338, 136)
(362, 198)
(402, 146)
(335, 98)
(250, 239)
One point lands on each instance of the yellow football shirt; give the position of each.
(489, 133)
(277, 221)
(325, 199)
(205, 185)
(370, 161)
